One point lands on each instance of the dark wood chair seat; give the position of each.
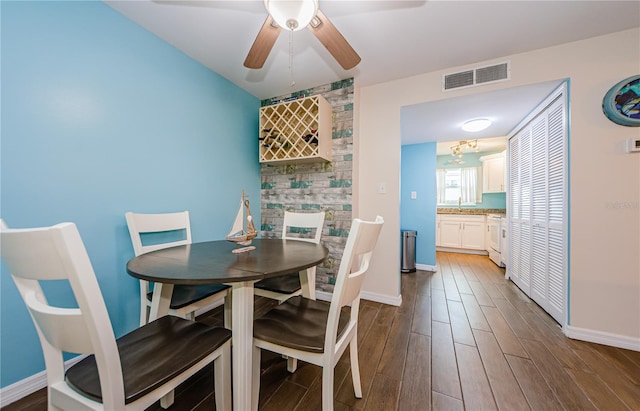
(184, 295)
(151, 355)
(298, 323)
(284, 284)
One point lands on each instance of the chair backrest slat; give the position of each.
(156, 223)
(64, 328)
(29, 250)
(303, 220)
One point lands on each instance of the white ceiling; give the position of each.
(395, 39)
(442, 120)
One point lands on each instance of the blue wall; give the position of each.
(418, 173)
(100, 117)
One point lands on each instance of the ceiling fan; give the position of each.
(295, 15)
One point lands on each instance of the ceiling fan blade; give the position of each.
(263, 44)
(333, 41)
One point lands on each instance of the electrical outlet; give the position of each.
(414, 195)
(382, 188)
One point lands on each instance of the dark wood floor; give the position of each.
(463, 338)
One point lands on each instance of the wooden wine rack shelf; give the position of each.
(296, 131)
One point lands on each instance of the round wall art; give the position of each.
(621, 104)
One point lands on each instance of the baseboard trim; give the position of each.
(462, 250)
(382, 298)
(20, 389)
(425, 267)
(600, 337)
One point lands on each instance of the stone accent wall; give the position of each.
(316, 186)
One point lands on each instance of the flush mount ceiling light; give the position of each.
(456, 150)
(292, 15)
(477, 124)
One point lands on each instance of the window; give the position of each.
(459, 184)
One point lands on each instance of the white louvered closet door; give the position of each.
(557, 212)
(513, 256)
(537, 207)
(524, 223)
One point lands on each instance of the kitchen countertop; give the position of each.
(471, 211)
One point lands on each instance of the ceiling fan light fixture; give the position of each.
(477, 124)
(292, 15)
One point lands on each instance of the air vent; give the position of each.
(475, 77)
(456, 80)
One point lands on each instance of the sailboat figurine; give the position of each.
(238, 233)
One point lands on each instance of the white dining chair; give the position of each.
(319, 332)
(186, 299)
(131, 372)
(299, 227)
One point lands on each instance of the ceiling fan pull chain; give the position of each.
(293, 82)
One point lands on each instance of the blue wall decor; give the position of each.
(621, 104)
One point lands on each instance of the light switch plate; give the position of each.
(633, 145)
(414, 195)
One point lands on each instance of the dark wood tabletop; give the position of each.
(213, 262)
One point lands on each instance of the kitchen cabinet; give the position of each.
(494, 173)
(461, 231)
(450, 232)
(296, 131)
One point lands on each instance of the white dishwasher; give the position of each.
(504, 242)
(495, 238)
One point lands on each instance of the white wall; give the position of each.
(604, 180)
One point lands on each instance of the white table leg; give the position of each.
(242, 344)
(161, 300)
(160, 303)
(308, 283)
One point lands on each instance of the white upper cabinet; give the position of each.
(493, 173)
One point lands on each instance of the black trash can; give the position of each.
(408, 264)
